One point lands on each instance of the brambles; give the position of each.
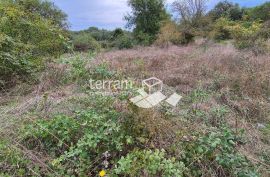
(217, 148)
(150, 163)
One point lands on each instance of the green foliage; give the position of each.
(261, 12)
(150, 163)
(245, 34)
(124, 42)
(94, 39)
(217, 147)
(220, 29)
(15, 162)
(117, 32)
(57, 134)
(76, 64)
(85, 42)
(98, 34)
(146, 17)
(102, 72)
(26, 37)
(228, 10)
(169, 33)
(101, 133)
(46, 9)
(198, 95)
(80, 139)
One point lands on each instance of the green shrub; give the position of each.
(227, 9)
(245, 33)
(85, 42)
(220, 29)
(75, 142)
(57, 134)
(260, 12)
(168, 34)
(124, 42)
(26, 37)
(217, 147)
(16, 164)
(143, 38)
(149, 163)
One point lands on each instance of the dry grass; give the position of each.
(238, 80)
(185, 67)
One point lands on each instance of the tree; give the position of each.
(45, 9)
(190, 11)
(146, 17)
(117, 32)
(192, 20)
(228, 10)
(261, 12)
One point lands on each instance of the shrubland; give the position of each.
(219, 128)
(57, 125)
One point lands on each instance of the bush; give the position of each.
(144, 38)
(85, 42)
(80, 139)
(124, 42)
(149, 163)
(26, 37)
(260, 12)
(16, 164)
(253, 35)
(187, 33)
(168, 34)
(217, 147)
(220, 29)
(227, 9)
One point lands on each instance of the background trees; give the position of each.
(192, 19)
(45, 9)
(190, 11)
(228, 10)
(146, 18)
(260, 12)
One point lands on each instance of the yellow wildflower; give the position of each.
(102, 173)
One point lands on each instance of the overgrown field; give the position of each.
(221, 127)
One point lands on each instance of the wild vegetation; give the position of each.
(54, 124)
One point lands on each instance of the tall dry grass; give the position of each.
(185, 67)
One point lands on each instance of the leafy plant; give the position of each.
(218, 147)
(56, 134)
(85, 42)
(26, 38)
(150, 163)
(12, 161)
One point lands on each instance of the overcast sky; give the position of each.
(109, 14)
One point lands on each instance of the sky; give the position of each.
(108, 14)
